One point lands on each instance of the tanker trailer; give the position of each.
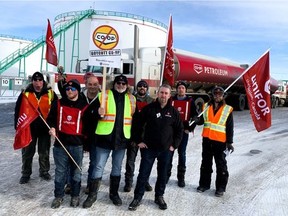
(202, 73)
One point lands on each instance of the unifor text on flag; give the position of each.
(27, 114)
(257, 85)
(51, 54)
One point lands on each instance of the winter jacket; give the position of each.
(162, 127)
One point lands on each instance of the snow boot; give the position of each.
(93, 191)
(113, 190)
(181, 176)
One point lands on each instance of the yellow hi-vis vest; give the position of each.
(105, 125)
(215, 125)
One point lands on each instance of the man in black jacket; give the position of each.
(162, 127)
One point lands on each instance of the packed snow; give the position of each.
(258, 182)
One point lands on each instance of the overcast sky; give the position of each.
(237, 30)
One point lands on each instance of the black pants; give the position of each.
(131, 155)
(148, 157)
(214, 149)
(44, 143)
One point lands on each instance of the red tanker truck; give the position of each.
(199, 71)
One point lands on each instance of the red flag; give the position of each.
(169, 70)
(27, 115)
(51, 54)
(257, 85)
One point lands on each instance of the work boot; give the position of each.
(56, 202)
(75, 201)
(148, 187)
(181, 176)
(113, 190)
(127, 187)
(46, 176)
(24, 179)
(219, 193)
(159, 200)
(201, 189)
(134, 204)
(93, 191)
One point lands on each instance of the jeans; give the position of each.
(63, 163)
(99, 157)
(148, 157)
(44, 143)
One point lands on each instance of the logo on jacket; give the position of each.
(69, 118)
(168, 114)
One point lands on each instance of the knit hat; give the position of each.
(142, 83)
(74, 83)
(181, 83)
(120, 78)
(217, 89)
(37, 75)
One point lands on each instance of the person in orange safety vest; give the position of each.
(40, 97)
(217, 142)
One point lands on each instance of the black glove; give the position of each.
(195, 119)
(230, 147)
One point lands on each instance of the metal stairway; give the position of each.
(21, 54)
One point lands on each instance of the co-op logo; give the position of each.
(105, 37)
(198, 68)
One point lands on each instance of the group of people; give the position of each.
(115, 122)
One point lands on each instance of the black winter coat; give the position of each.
(162, 127)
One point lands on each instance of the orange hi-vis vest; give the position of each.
(70, 119)
(105, 125)
(183, 107)
(43, 104)
(215, 125)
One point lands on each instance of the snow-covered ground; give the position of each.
(258, 183)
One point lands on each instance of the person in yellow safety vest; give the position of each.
(112, 134)
(217, 142)
(41, 97)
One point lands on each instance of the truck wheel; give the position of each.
(241, 102)
(199, 102)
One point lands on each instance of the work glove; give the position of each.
(230, 147)
(196, 119)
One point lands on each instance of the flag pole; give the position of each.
(245, 71)
(103, 89)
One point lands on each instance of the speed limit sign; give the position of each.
(5, 82)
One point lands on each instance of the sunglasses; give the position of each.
(71, 88)
(121, 83)
(37, 80)
(144, 86)
(220, 93)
